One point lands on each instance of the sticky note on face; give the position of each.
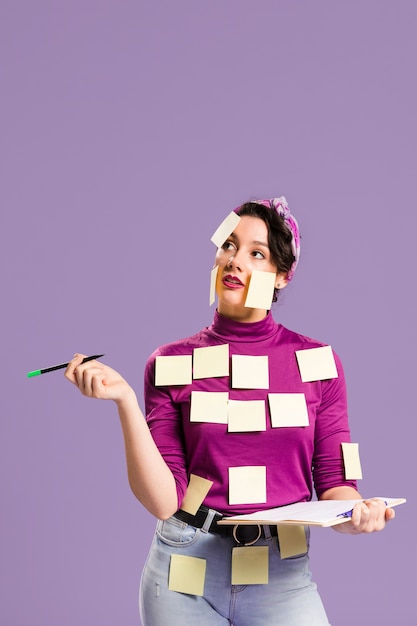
(187, 574)
(209, 406)
(351, 460)
(213, 279)
(247, 484)
(292, 540)
(288, 409)
(250, 372)
(211, 362)
(250, 565)
(316, 364)
(246, 416)
(225, 229)
(197, 490)
(173, 370)
(261, 290)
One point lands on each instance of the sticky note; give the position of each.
(261, 290)
(197, 490)
(173, 370)
(250, 372)
(209, 406)
(292, 540)
(246, 416)
(316, 364)
(225, 229)
(247, 484)
(250, 565)
(213, 279)
(187, 574)
(288, 409)
(351, 460)
(211, 362)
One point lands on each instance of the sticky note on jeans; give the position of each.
(187, 574)
(250, 565)
(292, 540)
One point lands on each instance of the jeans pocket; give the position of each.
(174, 532)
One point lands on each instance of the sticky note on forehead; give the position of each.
(173, 370)
(225, 229)
(351, 460)
(316, 364)
(211, 361)
(261, 290)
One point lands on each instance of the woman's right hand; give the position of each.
(96, 380)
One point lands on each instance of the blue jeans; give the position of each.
(289, 599)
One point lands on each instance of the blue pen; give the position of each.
(349, 513)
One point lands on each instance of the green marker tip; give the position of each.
(34, 373)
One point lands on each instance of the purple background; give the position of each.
(128, 131)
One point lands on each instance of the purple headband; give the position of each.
(281, 207)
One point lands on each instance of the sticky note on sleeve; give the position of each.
(225, 229)
(316, 364)
(351, 460)
(173, 370)
(197, 490)
(261, 290)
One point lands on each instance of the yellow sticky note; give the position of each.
(288, 409)
(250, 372)
(173, 370)
(246, 416)
(292, 540)
(351, 460)
(261, 290)
(187, 574)
(209, 406)
(213, 279)
(197, 490)
(247, 484)
(211, 362)
(250, 565)
(225, 229)
(316, 364)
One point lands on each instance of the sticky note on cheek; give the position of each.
(261, 290)
(213, 279)
(187, 574)
(351, 460)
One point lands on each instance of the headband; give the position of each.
(281, 207)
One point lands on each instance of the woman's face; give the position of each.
(245, 250)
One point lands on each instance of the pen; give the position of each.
(61, 366)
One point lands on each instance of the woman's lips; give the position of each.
(232, 282)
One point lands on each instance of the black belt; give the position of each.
(242, 533)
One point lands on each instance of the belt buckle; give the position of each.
(241, 526)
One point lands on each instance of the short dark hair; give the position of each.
(279, 236)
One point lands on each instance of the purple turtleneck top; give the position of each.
(296, 458)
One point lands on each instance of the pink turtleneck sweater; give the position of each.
(294, 457)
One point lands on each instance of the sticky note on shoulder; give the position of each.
(351, 460)
(187, 574)
(316, 364)
(173, 370)
(261, 290)
(225, 229)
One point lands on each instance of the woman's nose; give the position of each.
(234, 262)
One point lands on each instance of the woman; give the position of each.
(183, 447)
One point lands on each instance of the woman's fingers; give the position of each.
(370, 516)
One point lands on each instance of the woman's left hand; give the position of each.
(367, 517)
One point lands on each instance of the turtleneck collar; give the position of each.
(230, 330)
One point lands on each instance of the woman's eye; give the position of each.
(258, 255)
(228, 245)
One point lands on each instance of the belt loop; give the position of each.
(267, 531)
(207, 523)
